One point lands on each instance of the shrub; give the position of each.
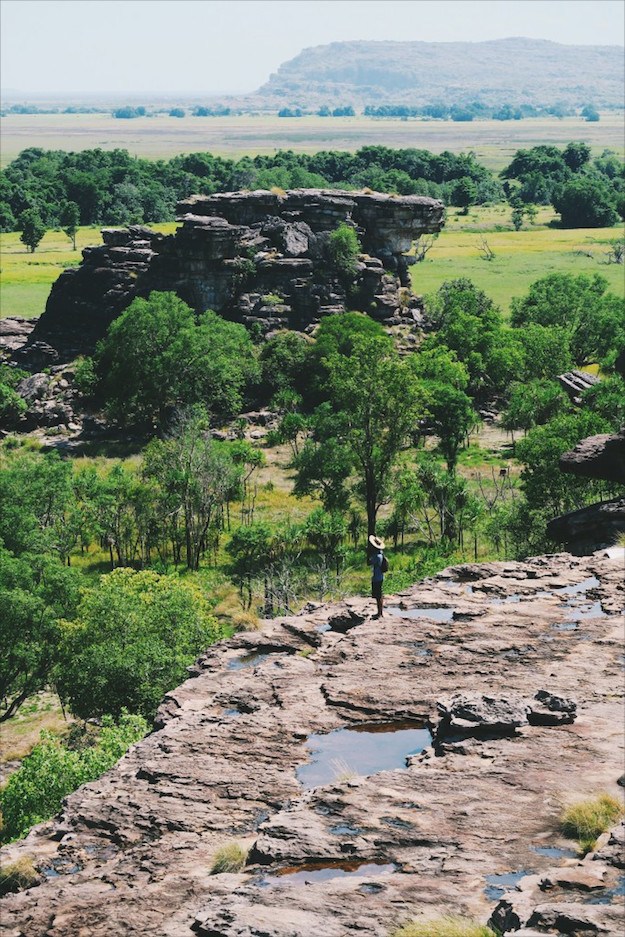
(35, 791)
(18, 875)
(588, 819)
(134, 637)
(444, 927)
(344, 248)
(230, 858)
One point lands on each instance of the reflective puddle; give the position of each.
(248, 660)
(583, 586)
(499, 884)
(435, 613)
(361, 750)
(608, 896)
(554, 852)
(324, 872)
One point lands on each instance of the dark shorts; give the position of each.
(376, 589)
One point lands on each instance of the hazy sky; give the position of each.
(222, 46)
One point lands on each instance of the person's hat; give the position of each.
(376, 542)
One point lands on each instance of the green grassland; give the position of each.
(26, 279)
(521, 257)
(494, 142)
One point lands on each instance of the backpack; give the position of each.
(384, 566)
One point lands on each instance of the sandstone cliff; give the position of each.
(260, 258)
(486, 698)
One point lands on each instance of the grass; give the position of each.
(521, 257)
(445, 926)
(231, 858)
(27, 278)
(493, 142)
(23, 730)
(588, 819)
(16, 876)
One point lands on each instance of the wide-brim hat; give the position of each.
(376, 542)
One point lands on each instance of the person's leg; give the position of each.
(380, 601)
(375, 594)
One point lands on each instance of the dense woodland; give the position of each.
(376, 441)
(112, 187)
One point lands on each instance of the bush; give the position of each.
(344, 248)
(134, 637)
(588, 819)
(35, 791)
(444, 927)
(230, 858)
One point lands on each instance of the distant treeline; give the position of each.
(113, 187)
(436, 111)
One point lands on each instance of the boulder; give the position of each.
(479, 716)
(548, 709)
(601, 456)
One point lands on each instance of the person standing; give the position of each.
(379, 566)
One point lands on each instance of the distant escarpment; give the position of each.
(502, 71)
(260, 258)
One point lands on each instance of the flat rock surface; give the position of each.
(359, 831)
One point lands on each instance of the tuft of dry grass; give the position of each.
(445, 926)
(231, 858)
(588, 819)
(18, 875)
(342, 770)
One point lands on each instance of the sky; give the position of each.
(232, 46)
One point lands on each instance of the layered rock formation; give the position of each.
(515, 670)
(260, 258)
(601, 457)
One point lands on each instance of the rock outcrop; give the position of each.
(260, 258)
(600, 456)
(584, 530)
(396, 828)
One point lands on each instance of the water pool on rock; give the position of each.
(361, 750)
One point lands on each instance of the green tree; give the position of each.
(12, 406)
(250, 549)
(283, 363)
(69, 219)
(35, 591)
(35, 503)
(132, 639)
(469, 324)
(435, 362)
(607, 400)
(464, 194)
(593, 318)
(157, 356)
(326, 532)
(546, 350)
(451, 416)
(533, 403)
(586, 203)
(590, 113)
(32, 228)
(546, 488)
(376, 402)
(198, 477)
